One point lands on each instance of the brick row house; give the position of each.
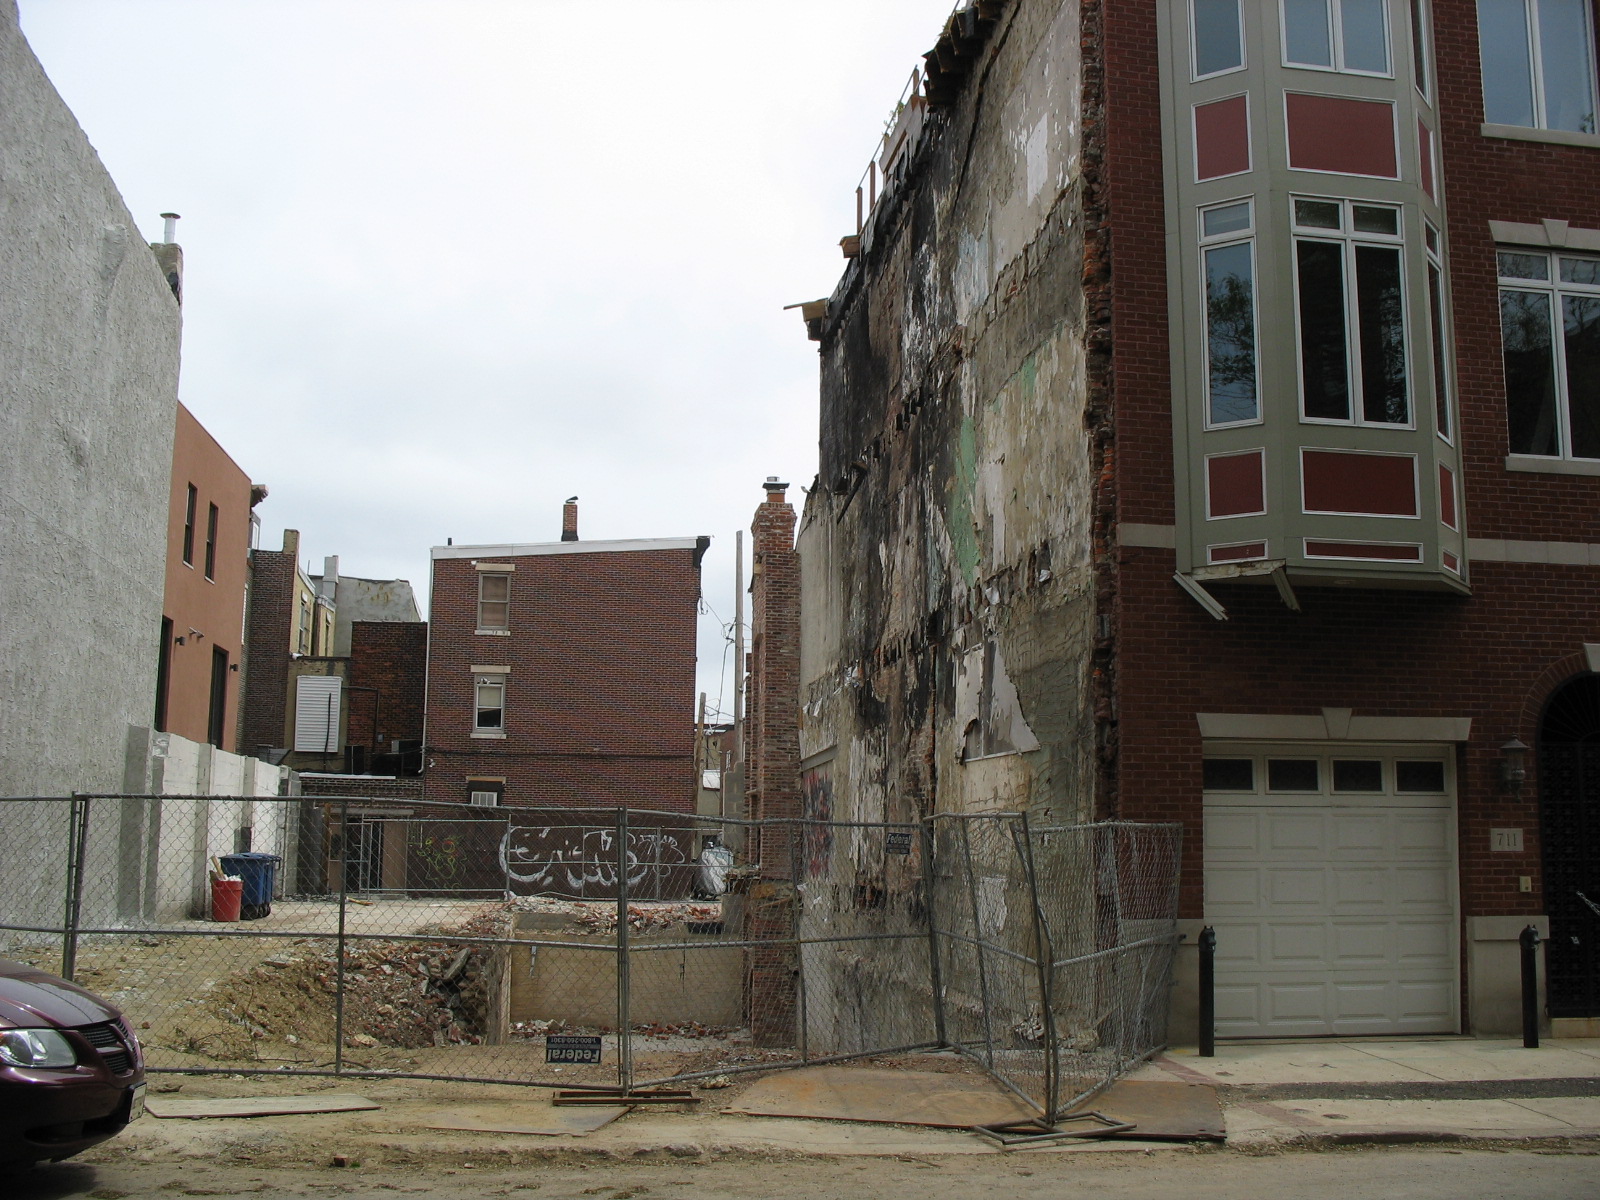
(561, 673)
(1209, 435)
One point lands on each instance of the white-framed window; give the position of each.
(1350, 312)
(1537, 58)
(494, 600)
(1227, 251)
(1216, 30)
(1422, 47)
(1439, 334)
(1550, 341)
(489, 706)
(1337, 35)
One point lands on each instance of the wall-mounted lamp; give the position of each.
(233, 666)
(1514, 765)
(178, 641)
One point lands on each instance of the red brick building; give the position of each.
(1211, 434)
(202, 620)
(561, 674)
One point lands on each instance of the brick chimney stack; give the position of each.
(569, 520)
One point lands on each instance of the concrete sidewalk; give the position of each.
(1279, 1094)
(1403, 1090)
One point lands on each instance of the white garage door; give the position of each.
(1330, 880)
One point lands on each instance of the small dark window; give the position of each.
(1419, 777)
(211, 542)
(1292, 775)
(1229, 774)
(1357, 775)
(188, 524)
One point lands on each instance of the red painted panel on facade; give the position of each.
(1425, 153)
(1234, 485)
(1384, 550)
(1335, 133)
(1447, 496)
(1242, 553)
(1451, 562)
(1222, 138)
(1378, 485)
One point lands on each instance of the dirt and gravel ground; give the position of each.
(1548, 1173)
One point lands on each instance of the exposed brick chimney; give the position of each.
(569, 520)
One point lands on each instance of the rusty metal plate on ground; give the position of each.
(948, 1101)
(525, 1118)
(1162, 1111)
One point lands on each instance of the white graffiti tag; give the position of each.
(581, 861)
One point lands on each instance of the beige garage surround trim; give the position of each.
(1156, 537)
(1332, 725)
(1568, 554)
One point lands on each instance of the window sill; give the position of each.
(493, 632)
(493, 734)
(1555, 137)
(1537, 464)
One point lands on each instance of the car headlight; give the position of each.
(35, 1048)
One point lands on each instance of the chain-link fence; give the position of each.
(595, 948)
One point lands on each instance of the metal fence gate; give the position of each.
(516, 945)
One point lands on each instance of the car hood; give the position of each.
(30, 998)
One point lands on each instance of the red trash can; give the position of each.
(226, 896)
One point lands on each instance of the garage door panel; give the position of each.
(1365, 1001)
(1295, 1002)
(1421, 887)
(1416, 835)
(1297, 836)
(1238, 946)
(1361, 889)
(1425, 943)
(1297, 888)
(1425, 1002)
(1230, 834)
(1297, 943)
(1238, 1007)
(1361, 836)
(1362, 944)
(1233, 890)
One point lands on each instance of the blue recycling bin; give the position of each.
(259, 872)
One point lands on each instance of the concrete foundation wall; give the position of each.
(577, 985)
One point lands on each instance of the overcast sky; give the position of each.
(449, 262)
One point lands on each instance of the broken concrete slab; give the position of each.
(171, 1108)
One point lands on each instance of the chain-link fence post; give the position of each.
(977, 941)
(340, 965)
(797, 839)
(930, 907)
(1044, 953)
(77, 851)
(624, 976)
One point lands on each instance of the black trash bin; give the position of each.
(259, 871)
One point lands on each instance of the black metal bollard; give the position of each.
(1208, 992)
(1529, 938)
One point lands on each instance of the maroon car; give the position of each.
(71, 1073)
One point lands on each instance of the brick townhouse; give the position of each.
(561, 674)
(1210, 433)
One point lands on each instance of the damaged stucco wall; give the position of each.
(948, 587)
(88, 399)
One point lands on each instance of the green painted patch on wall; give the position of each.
(963, 528)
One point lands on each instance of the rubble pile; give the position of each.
(403, 994)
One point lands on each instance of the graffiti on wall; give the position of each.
(583, 860)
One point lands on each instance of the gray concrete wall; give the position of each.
(89, 333)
